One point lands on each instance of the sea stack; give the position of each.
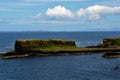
(110, 42)
(28, 45)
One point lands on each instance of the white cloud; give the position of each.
(59, 12)
(91, 13)
(96, 12)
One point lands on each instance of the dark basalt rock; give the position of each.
(111, 55)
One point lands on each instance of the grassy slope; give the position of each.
(58, 45)
(70, 48)
(43, 44)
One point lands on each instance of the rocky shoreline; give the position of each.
(61, 53)
(23, 48)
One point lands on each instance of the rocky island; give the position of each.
(55, 47)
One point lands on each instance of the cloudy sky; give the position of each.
(60, 15)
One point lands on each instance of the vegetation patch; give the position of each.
(25, 45)
(110, 42)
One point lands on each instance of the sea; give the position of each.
(74, 67)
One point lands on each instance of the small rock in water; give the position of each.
(116, 68)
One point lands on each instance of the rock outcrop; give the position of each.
(111, 55)
(110, 42)
(27, 45)
(26, 48)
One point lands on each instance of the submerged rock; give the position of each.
(116, 68)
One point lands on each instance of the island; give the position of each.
(58, 47)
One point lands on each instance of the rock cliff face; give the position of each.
(110, 42)
(25, 45)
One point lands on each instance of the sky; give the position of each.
(59, 15)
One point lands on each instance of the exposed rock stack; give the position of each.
(110, 42)
(27, 45)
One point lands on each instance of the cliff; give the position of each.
(110, 42)
(27, 45)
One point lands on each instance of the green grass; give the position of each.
(57, 48)
(65, 48)
(112, 42)
(22, 45)
(59, 45)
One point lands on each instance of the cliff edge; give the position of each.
(110, 42)
(28, 45)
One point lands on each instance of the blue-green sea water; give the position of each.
(80, 67)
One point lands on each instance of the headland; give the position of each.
(58, 47)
